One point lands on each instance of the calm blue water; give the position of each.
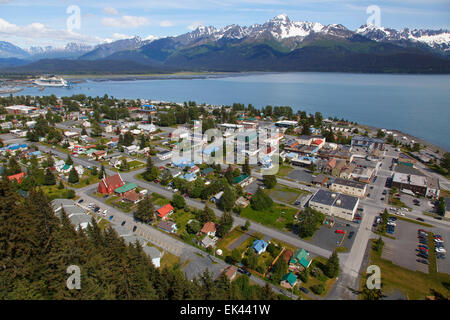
(415, 104)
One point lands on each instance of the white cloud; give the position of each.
(166, 23)
(38, 30)
(109, 10)
(125, 22)
(117, 36)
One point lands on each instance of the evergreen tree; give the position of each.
(178, 201)
(73, 176)
(261, 201)
(228, 199)
(225, 224)
(207, 215)
(269, 181)
(331, 268)
(69, 160)
(102, 173)
(50, 179)
(145, 210)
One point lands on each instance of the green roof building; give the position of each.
(301, 257)
(125, 188)
(290, 278)
(240, 178)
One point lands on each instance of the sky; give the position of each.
(57, 22)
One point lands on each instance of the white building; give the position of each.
(334, 204)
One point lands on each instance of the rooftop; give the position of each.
(349, 183)
(335, 199)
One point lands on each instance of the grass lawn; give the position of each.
(284, 170)
(444, 193)
(85, 180)
(103, 224)
(52, 192)
(415, 284)
(159, 200)
(279, 216)
(116, 202)
(226, 241)
(181, 218)
(132, 165)
(169, 260)
(285, 194)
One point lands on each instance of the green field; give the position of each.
(285, 194)
(279, 216)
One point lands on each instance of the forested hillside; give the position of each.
(36, 248)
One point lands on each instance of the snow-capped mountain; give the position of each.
(106, 49)
(70, 50)
(436, 39)
(8, 50)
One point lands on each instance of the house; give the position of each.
(230, 272)
(132, 196)
(217, 197)
(131, 149)
(164, 155)
(300, 259)
(421, 185)
(209, 228)
(109, 184)
(242, 202)
(122, 190)
(259, 246)
(154, 254)
(320, 180)
(289, 281)
(168, 226)
(207, 171)
(189, 177)
(208, 241)
(194, 169)
(18, 177)
(165, 211)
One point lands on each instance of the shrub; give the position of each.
(318, 288)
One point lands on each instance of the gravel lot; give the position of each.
(301, 175)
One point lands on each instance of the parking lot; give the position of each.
(301, 175)
(443, 265)
(327, 238)
(403, 250)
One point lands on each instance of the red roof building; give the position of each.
(17, 176)
(109, 184)
(209, 228)
(132, 196)
(165, 211)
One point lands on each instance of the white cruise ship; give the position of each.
(51, 82)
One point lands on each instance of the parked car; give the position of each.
(80, 201)
(123, 223)
(420, 219)
(422, 261)
(97, 209)
(111, 217)
(105, 212)
(340, 231)
(134, 228)
(243, 271)
(350, 235)
(303, 289)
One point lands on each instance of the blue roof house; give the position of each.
(259, 246)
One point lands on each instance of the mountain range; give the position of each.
(277, 45)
